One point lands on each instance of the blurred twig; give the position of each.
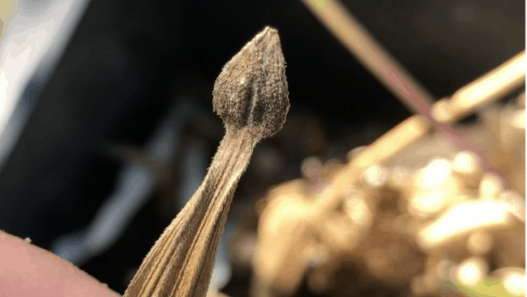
(491, 86)
(371, 54)
(378, 152)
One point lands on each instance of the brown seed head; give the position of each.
(251, 91)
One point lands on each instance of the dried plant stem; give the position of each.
(491, 86)
(371, 54)
(251, 97)
(182, 260)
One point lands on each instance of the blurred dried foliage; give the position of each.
(409, 215)
(427, 215)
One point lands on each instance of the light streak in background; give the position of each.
(135, 185)
(343, 25)
(34, 41)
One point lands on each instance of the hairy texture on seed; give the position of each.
(251, 97)
(251, 91)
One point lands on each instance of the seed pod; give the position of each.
(250, 95)
(251, 91)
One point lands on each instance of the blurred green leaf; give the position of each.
(488, 288)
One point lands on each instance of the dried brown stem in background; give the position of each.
(490, 87)
(339, 21)
(376, 59)
(251, 97)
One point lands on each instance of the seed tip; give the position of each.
(251, 91)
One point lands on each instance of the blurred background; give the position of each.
(106, 122)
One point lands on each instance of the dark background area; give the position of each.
(128, 61)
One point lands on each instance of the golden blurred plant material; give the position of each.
(279, 253)
(490, 87)
(408, 210)
(392, 218)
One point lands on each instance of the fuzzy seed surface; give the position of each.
(251, 91)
